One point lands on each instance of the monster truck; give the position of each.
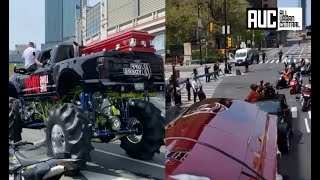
(102, 96)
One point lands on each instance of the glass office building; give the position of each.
(60, 21)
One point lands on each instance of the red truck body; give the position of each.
(236, 127)
(138, 41)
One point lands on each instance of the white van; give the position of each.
(241, 56)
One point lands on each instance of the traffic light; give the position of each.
(229, 42)
(211, 27)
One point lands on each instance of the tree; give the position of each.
(181, 18)
(180, 21)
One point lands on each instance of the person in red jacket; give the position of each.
(254, 95)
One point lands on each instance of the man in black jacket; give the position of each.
(206, 71)
(188, 87)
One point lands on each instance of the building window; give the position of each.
(93, 21)
(138, 4)
(265, 6)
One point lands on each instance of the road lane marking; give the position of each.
(267, 61)
(309, 113)
(272, 61)
(294, 111)
(277, 61)
(295, 60)
(288, 51)
(99, 176)
(273, 52)
(307, 125)
(136, 160)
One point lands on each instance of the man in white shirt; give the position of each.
(195, 87)
(29, 56)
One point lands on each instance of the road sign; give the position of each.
(228, 29)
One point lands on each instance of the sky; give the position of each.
(295, 3)
(26, 20)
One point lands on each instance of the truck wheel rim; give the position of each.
(136, 137)
(58, 139)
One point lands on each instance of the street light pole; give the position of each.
(253, 43)
(174, 83)
(199, 39)
(225, 37)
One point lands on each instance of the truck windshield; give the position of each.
(272, 107)
(240, 54)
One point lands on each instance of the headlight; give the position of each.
(105, 107)
(115, 123)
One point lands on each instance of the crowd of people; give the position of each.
(193, 84)
(292, 71)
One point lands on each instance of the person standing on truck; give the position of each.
(30, 62)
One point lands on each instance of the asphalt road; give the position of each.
(297, 164)
(109, 161)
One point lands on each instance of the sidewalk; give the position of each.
(188, 74)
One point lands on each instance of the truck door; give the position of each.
(41, 80)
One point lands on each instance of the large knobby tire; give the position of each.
(15, 122)
(152, 131)
(71, 132)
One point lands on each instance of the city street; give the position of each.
(298, 52)
(207, 87)
(108, 160)
(296, 165)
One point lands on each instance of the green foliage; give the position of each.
(101, 121)
(181, 19)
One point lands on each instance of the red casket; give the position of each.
(128, 41)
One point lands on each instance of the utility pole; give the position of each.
(225, 37)
(198, 34)
(174, 82)
(253, 43)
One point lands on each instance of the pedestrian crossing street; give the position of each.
(207, 87)
(274, 61)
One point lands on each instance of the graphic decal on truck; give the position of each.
(36, 84)
(43, 83)
(32, 84)
(138, 69)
